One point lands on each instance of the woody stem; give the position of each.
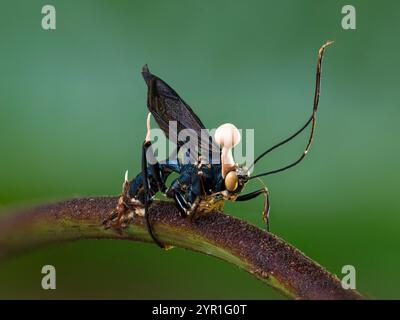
(260, 253)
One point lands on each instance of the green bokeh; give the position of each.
(72, 119)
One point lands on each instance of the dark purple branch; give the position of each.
(266, 256)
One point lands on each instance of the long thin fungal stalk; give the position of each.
(262, 254)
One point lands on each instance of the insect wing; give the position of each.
(174, 115)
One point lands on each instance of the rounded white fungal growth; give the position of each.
(227, 136)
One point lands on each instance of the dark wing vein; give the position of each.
(166, 105)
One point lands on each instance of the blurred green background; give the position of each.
(72, 120)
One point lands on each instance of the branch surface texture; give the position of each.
(262, 254)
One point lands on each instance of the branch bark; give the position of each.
(264, 255)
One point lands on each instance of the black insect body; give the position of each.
(202, 186)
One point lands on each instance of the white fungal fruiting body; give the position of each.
(227, 136)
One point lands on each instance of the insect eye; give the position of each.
(231, 181)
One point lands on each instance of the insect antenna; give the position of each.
(312, 120)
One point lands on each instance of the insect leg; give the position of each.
(146, 198)
(181, 203)
(196, 190)
(255, 194)
(186, 191)
(175, 192)
(156, 172)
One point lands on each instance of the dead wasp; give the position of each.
(202, 185)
